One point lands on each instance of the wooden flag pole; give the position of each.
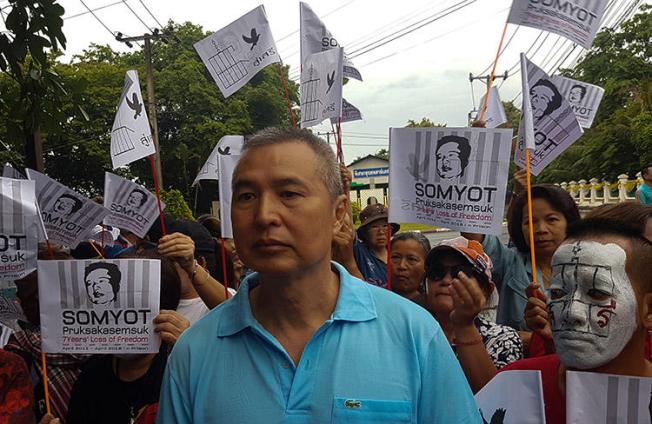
(158, 196)
(493, 73)
(287, 94)
(226, 279)
(529, 214)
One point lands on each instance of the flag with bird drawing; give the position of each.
(512, 397)
(315, 38)
(494, 114)
(349, 113)
(228, 145)
(321, 87)
(131, 136)
(237, 52)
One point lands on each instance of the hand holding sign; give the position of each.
(180, 248)
(170, 325)
(536, 312)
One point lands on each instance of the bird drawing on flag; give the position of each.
(253, 39)
(224, 152)
(497, 418)
(135, 105)
(330, 79)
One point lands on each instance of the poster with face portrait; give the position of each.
(512, 397)
(548, 125)
(67, 215)
(132, 207)
(18, 228)
(449, 177)
(99, 306)
(577, 20)
(617, 399)
(584, 98)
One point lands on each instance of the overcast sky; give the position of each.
(422, 74)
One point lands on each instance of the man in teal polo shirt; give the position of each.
(303, 341)
(644, 193)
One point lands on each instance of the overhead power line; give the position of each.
(92, 10)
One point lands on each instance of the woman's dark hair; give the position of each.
(170, 282)
(558, 199)
(212, 224)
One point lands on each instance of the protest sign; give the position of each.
(99, 306)
(68, 216)
(11, 313)
(494, 114)
(548, 125)
(18, 228)
(321, 87)
(577, 20)
(237, 52)
(512, 397)
(315, 38)
(349, 113)
(612, 399)
(229, 144)
(227, 165)
(132, 207)
(10, 172)
(449, 177)
(584, 98)
(131, 136)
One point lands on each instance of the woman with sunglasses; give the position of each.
(458, 275)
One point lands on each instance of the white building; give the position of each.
(370, 180)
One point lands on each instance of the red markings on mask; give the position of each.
(605, 314)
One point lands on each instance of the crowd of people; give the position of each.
(317, 321)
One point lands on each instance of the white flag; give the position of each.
(584, 98)
(577, 20)
(99, 306)
(228, 145)
(131, 136)
(494, 114)
(11, 172)
(237, 52)
(349, 113)
(133, 207)
(18, 228)
(68, 216)
(548, 125)
(453, 178)
(226, 164)
(512, 397)
(321, 87)
(607, 398)
(315, 38)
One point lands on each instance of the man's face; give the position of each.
(135, 198)
(593, 306)
(575, 95)
(64, 206)
(282, 214)
(540, 97)
(98, 286)
(449, 164)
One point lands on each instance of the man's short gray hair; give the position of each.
(416, 236)
(328, 170)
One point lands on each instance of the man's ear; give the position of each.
(342, 205)
(646, 311)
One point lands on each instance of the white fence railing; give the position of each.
(595, 192)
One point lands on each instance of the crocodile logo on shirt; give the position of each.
(352, 404)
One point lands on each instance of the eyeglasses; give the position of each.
(438, 271)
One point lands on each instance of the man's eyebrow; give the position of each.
(281, 182)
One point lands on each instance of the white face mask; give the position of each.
(593, 306)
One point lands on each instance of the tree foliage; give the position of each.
(620, 140)
(424, 123)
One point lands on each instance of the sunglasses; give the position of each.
(438, 271)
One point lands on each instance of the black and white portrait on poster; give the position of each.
(613, 399)
(584, 98)
(68, 216)
(512, 397)
(99, 306)
(18, 228)
(133, 207)
(577, 20)
(449, 177)
(548, 125)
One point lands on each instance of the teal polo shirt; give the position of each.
(378, 359)
(645, 194)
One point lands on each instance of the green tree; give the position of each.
(424, 123)
(383, 154)
(620, 140)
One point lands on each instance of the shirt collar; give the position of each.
(355, 303)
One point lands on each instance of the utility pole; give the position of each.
(147, 39)
(486, 79)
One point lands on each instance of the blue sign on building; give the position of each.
(370, 172)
